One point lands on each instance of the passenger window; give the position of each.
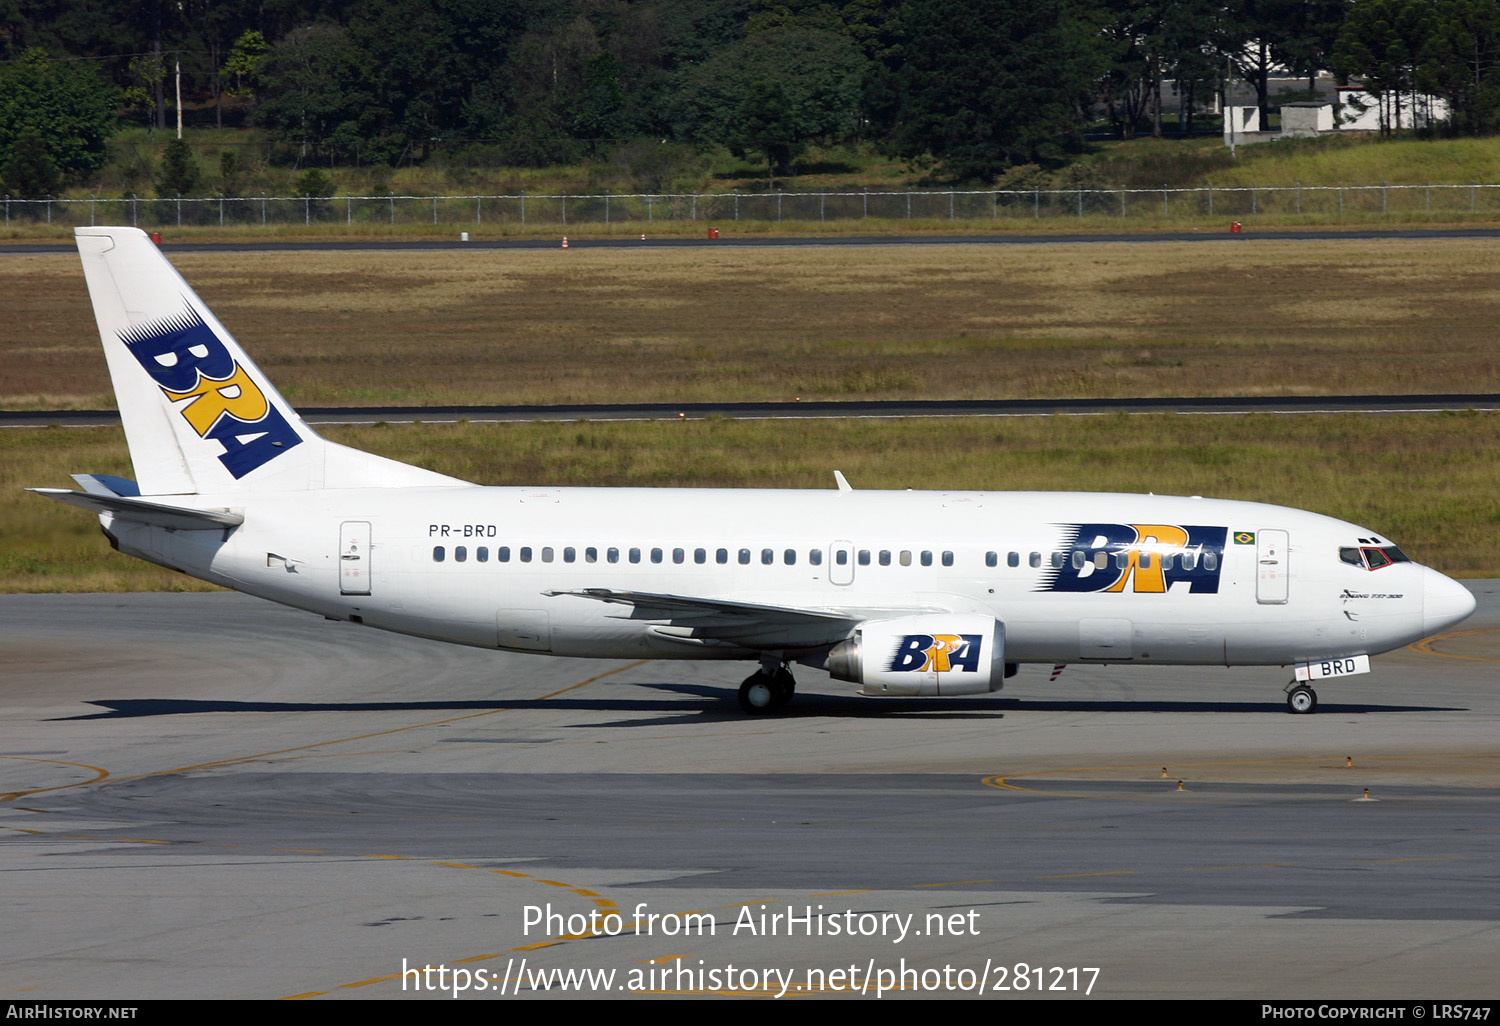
(885, 557)
(993, 558)
(767, 557)
(744, 557)
(1146, 558)
(591, 555)
(1101, 560)
(1210, 561)
(841, 557)
(613, 554)
(1077, 559)
(864, 557)
(526, 553)
(438, 553)
(635, 555)
(679, 555)
(656, 555)
(503, 554)
(700, 555)
(789, 557)
(482, 554)
(460, 553)
(721, 555)
(815, 557)
(906, 558)
(546, 553)
(1036, 559)
(1189, 560)
(947, 559)
(570, 554)
(1013, 559)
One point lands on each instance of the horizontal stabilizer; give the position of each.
(177, 518)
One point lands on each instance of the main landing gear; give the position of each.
(766, 691)
(1301, 699)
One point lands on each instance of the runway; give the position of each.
(211, 796)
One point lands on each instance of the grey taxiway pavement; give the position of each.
(210, 796)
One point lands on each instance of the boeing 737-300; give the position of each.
(902, 593)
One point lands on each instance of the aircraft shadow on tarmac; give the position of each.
(698, 704)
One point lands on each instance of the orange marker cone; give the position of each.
(565, 242)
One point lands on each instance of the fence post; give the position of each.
(650, 207)
(695, 206)
(1210, 201)
(7, 210)
(1341, 199)
(866, 212)
(1254, 206)
(1080, 201)
(908, 204)
(221, 210)
(478, 211)
(348, 210)
(1383, 208)
(1036, 202)
(134, 222)
(179, 210)
(307, 210)
(1165, 209)
(523, 208)
(434, 208)
(736, 206)
(950, 204)
(1428, 190)
(1122, 204)
(93, 199)
(822, 206)
(262, 208)
(778, 206)
(1299, 197)
(606, 206)
(393, 210)
(994, 205)
(564, 208)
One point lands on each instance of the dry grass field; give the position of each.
(1230, 317)
(1223, 318)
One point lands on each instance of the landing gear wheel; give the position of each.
(1301, 699)
(763, 693)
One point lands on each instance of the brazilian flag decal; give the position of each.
(1244, 537)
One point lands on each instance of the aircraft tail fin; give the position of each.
(199, 416)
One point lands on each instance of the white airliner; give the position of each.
(900, 592)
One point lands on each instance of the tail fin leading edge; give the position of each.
(199, 416)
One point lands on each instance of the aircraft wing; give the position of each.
(750, 624)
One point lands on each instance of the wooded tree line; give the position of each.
(972, 86)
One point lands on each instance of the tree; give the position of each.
(774, 93)
(67, 103)
(178, 175)
(29, 171)
(983, 86)
(1461, 63)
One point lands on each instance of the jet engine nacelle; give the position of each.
(929, 654)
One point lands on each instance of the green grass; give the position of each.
(1428, 481)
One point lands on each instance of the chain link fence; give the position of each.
(561, 210)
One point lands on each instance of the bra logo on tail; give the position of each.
(211, 391)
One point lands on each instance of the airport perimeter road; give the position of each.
(207, 795)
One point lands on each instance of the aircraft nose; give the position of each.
(1445, 602)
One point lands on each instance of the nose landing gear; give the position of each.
(1301, 699)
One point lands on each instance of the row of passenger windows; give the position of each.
(744, 557)
(1078, 559)
(789, 557)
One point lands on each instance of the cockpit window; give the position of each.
(1373, 557)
